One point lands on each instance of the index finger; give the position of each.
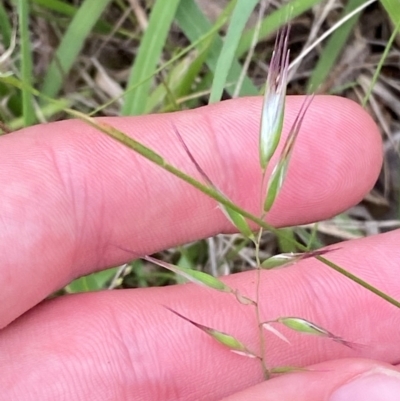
(75, 192)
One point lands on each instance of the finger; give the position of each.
(340, 380)
(77, 197)
(127, 344)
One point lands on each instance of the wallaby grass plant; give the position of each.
(223, 70)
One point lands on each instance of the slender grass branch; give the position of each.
(265, 370)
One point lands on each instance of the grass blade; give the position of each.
(333, 48)
(392, 7)
(194, 24)
(274, 21)
(151, 45)
(380, 64)
(202, 43)
(240, 16)
(179, 80)
(5, 26)
(92, 282)
(28, 111)
(72, 42)
(68, 10)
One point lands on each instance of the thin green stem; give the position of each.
(380, 64)
(359, 281)
(258, 314)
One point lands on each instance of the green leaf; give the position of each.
(240, 16)
(194, 24)
(179, 81)
(92, 282)
(151, 45)
(63, 8)
(5, 26)
(392, 7)
(333, 48)
(28, 111)
(47, 111)
(274, 21)
(71, 44)
(381, 63)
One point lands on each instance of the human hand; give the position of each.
(72, 198)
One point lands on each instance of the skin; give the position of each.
(76, 198)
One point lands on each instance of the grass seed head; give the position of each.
(274, 99)
(223, 338)
(238, 221)
(303, 326)
(194, 276)
(278, 175)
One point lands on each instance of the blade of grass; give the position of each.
(274, 21)
(392, 7)
(71, 44)
(333, 48)
(47, 111)
(5, 26)
(240, 16)
(331, 30)
(28, 112)
(58, 6)
(310, 237)
(65, 9)
(151, 45)
(194, 25)
(203, 43)
(251, 51)
(167, 90)
(287, 242)
(179, 80)
(380, 64)
(92, 282)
